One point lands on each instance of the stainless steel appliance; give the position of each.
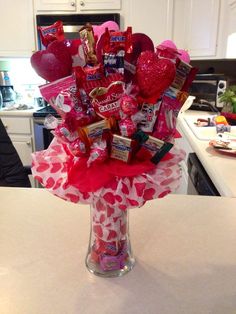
(43, 136)
(207, 88)
(199, 183)
(73, 22)
(8, 95)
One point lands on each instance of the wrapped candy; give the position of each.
(127, 127)
(128, 105)
(115, 46)
(98, 153)
(51, 33)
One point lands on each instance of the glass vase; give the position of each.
(109, 251)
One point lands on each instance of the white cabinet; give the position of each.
(20, 131)
(195, 26)
(77, 5)
(230, 32)
(17, 28)
(153, 18)
(55, 5)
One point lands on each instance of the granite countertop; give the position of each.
(185, 250)
(220, 168)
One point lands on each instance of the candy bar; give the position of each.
(51, 33)
(121, 148)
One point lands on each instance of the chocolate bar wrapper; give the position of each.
(121, 148)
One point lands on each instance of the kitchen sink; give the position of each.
(204, 133)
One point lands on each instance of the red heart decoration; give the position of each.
(53, 63)
(154, 75)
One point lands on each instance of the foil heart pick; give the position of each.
(154, 75)
(53, 63)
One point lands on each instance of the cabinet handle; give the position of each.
(73, 4)
(28, 143)
(82, 3)
(5, 126)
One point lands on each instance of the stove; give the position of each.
(42, 113)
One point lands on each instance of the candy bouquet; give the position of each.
(118, 98)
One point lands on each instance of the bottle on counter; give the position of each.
(5, 78)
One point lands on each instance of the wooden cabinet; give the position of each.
(77, 6)
(17, 28)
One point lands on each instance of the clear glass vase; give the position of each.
(109, 251)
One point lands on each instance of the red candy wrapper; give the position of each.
(51, 33)
(115, 46)
(128, 105)
(127, 127)
(106, 100)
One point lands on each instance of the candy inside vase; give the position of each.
(109, 252)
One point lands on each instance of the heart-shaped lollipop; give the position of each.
(154, 75)
(53, 63)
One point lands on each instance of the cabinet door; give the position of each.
(231, 29)
(55, 5)
(24, 147)
(195, 26)
(17, 28)
(90, 5)
(153, 18)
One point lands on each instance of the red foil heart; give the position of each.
(154, 75)
(53, 63)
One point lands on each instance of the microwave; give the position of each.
(208, 88)
(73, 22)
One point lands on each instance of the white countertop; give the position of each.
(185, 249)
(18, 113)
(220, 168)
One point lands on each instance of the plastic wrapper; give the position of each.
(115, 46)
(51, 33)
(165, 126)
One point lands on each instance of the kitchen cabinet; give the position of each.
(153, 18)
(77, 5)
(195, 26)
(230, 32)
(20, 130)
(17, 28)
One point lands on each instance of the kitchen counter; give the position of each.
(18, 113)
(185, 249)
(220, 168)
